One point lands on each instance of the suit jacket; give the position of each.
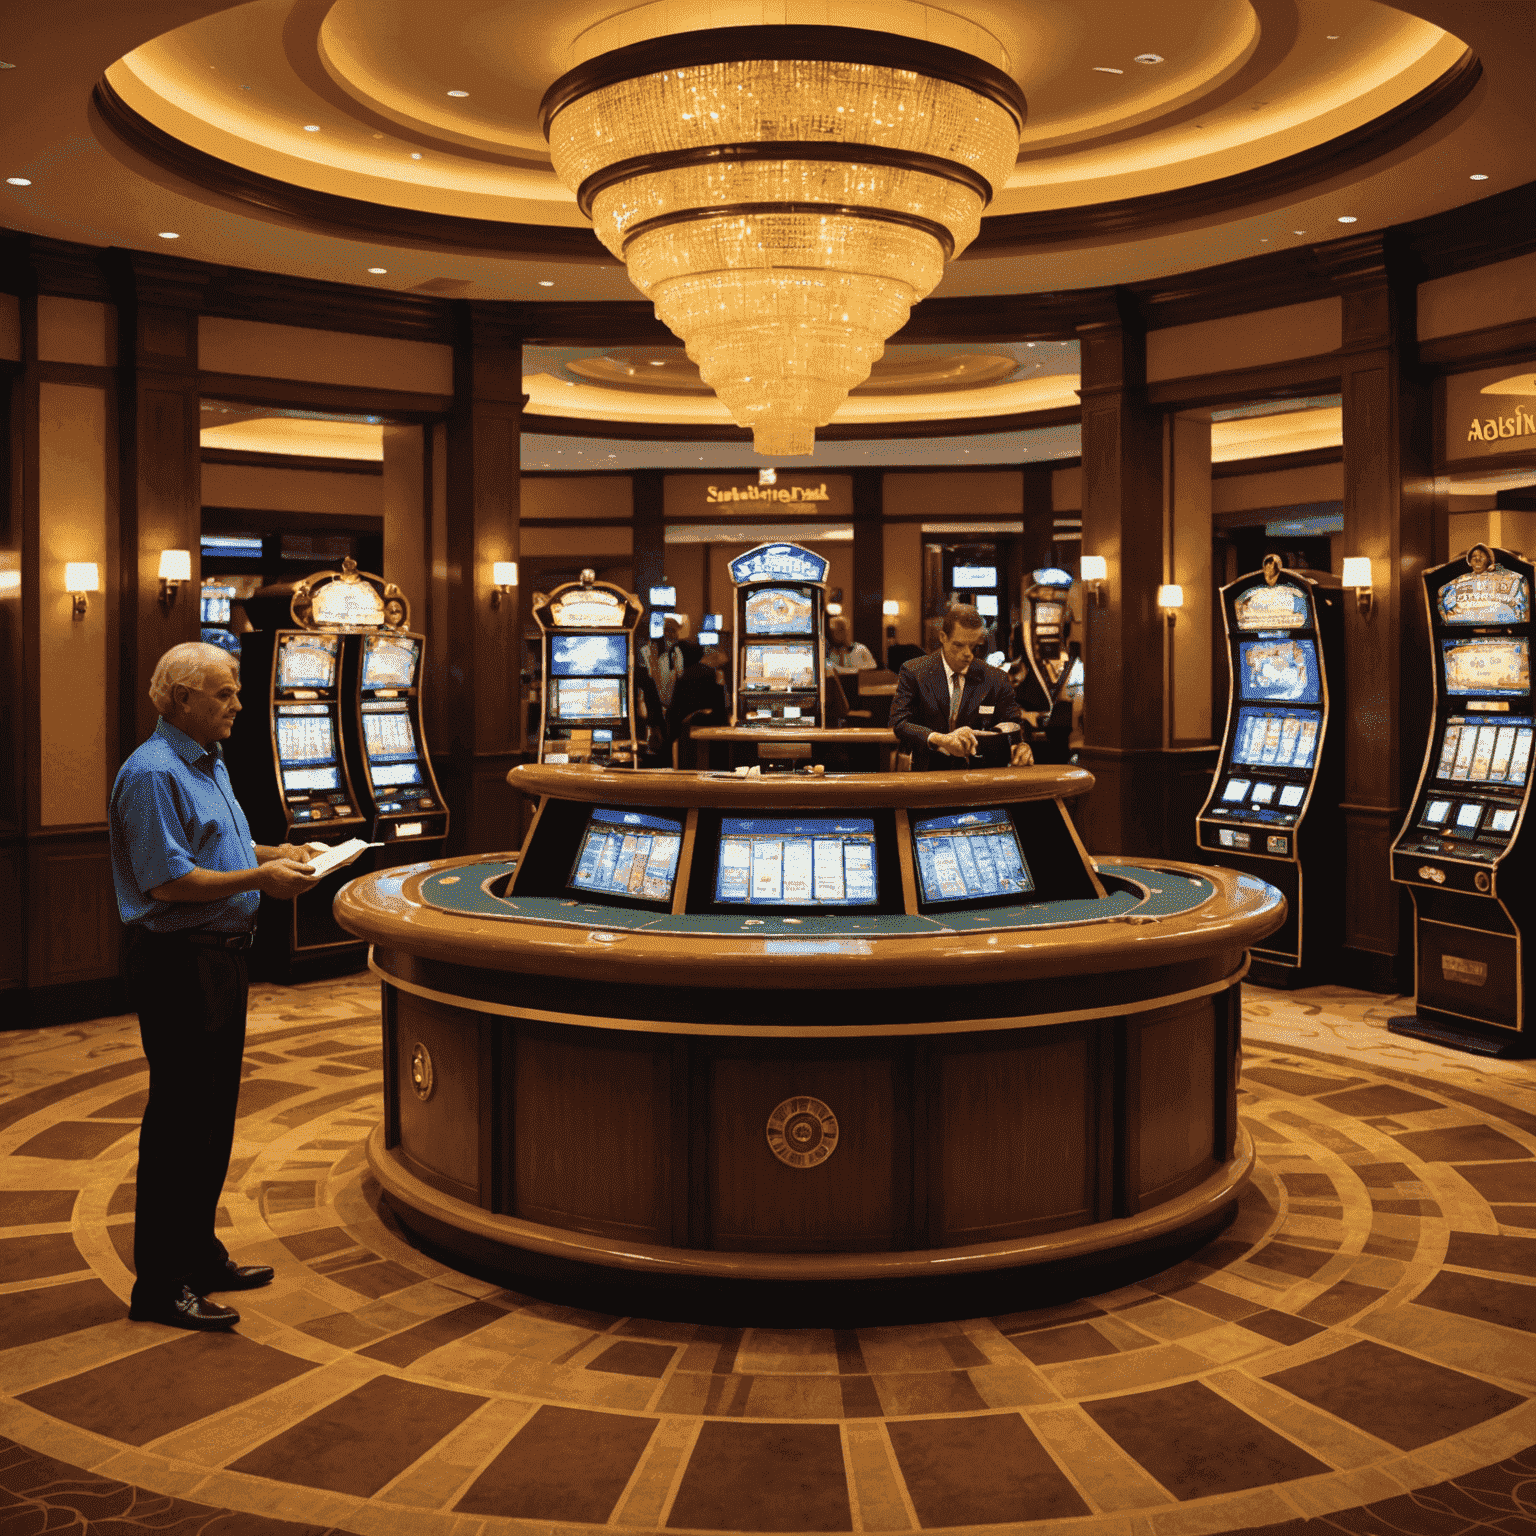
(697, 688)
(921, 705)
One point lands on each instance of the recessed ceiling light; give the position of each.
(1348, 218)
(415, 154)
(311, 127)
(1475, 176)
(1333, 37)
(378, 271)
(22, 181)
(545, 283)
(657, 362)
(1298, 231)
(458, 93)
(169, 234)
(1105, 69)
(1149, 58)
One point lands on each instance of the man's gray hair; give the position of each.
(187, 664)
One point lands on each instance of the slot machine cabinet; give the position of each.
(1273, 807)
(1464, 852)
(587, 634)
(387, 746)
(1049, 649)
(778, 639)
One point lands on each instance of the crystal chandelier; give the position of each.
(784, 195)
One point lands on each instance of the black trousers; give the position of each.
(191, 1004)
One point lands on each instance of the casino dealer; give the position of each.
(189, 881)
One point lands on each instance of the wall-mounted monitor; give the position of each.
(969, 856)
(663, 597)
(389, 661)
(628, 854)
(307, 661)
(778, 668)
(1279, 671)
(588, 655)
(713, 621)
(659, 622)
(1493, 666)
(778, 611)
(973, 576)
(986, 604)
(797, 862)
(590, 698)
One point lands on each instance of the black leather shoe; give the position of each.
(233, 1277)
(185, 1310)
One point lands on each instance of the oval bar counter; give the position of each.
(711, 1041)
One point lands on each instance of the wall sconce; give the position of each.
(1170, 598)
(504, 579)
(891, 608)
(80, 577)
(1357, 574)
(834, 610)
(175, 568)
(1094, 569)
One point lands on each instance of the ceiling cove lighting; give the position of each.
(169, 234)
(23, 181)
(784, 195)
(378, 271)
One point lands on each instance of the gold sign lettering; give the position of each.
(1492, 428)
(718, 495)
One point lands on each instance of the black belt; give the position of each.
(205, 938)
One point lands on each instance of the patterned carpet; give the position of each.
(1358, 1353)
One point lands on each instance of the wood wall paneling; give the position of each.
(1178, 1126)
(13, 900)
(1189, 564)
(862, 600)
(73, 929)
(1257, 339)
(1487, 298)
(441, 1134)
(649, 535)
(294, 489)
(405, 515)
(325, 356)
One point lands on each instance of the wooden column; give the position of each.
(868, 620)
(1039, 518)
(483, 676)
(649, 536)
(1124, 651)
(1390, 516)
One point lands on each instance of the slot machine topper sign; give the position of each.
(349, 600)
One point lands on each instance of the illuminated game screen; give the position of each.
(1236, 791)
(1282, 738)
(627, 853)
(307, 661)
(215, 604)
(974, 576)
(1496, 596)
(588, 655)
(1485, 751)
(590, 698)
(306, 747)
(804, 862)
(1265, 607)
(1049, 614)
(969, 856)
(778, 611)
(390, 741)
(778, 667)
(1496, 667)
(1278, 671)
(390, 663)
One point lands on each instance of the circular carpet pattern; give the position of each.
(1357, 1352)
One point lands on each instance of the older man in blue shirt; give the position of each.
(189, 880)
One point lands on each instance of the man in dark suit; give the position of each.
(944, 699)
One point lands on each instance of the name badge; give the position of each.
(986, 709)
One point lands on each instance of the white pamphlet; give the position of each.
(329, 857)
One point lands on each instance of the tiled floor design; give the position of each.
(1357, 1353)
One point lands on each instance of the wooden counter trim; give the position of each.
(1162, 1221)
(833, 735)
(924, 1028)
(786, 791)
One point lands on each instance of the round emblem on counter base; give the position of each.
(802, 1133)
(423, 1078)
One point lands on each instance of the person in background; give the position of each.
(189, 880)
(700, 692)
(844, 653)
(664, 660)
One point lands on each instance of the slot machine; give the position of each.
(1049, 652)
(1273, 807)
(1462, 852)
(391, 767)
(587, 631)
(777, 640)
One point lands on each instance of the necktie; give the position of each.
(954, 698)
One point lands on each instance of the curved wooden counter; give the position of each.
(574, 1092)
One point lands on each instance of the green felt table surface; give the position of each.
(465, 889)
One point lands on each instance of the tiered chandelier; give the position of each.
(784, 195)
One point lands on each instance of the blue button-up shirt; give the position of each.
(173, 810)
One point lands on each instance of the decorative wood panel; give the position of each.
(72, 911)
(13, 935)
(440, 1135)
(1179, 1122)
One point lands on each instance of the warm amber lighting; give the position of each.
(504, 580)
(175, 568)
(1170, 597)
(891, 608)
(1357, 574)
(1093, 570)
(80, 577)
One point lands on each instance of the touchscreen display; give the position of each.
(589, 698)
(1293, 794)
(389, 663)
(777, 611)
(800, 862)
(588, 655)
(1496, 667)
(394, 775)
(311, 778)
(1468, 816)
(307, 661)
(970, 855)
(1263, 794)
(778, 668)
(1502, 820)
(627, 853)
(1286, 738)
(1235, 791)
(1436, 812)
(304, 737)
(1278, 671)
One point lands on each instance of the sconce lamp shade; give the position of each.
(1095, 568)
(175, 565)
(82, 576)
(891, 608)
(1357, 571)
(504, 573)
(1170, 597)
(834, 610)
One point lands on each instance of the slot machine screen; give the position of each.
(1485, 751)
(389, 663)
(590, 698)
(778, 611)
(389, 738)
(800, 862)
(1281, 738)
(1497, 666)
(778, 668)
(628, 853)
(973, 576)
(215, 604)
(588, 656)
(968, 856)
(1279, 671)
(1048, 614)
(307, 661)
(306, 747)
